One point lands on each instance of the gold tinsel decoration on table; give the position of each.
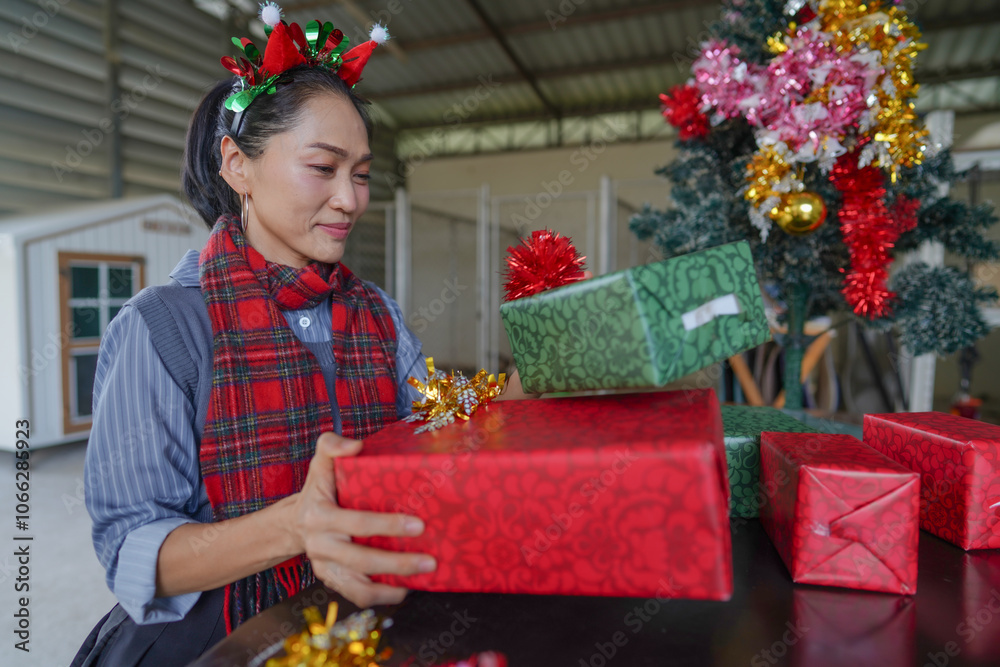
(352, 642)
(451, 397)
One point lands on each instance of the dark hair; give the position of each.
(267, 115)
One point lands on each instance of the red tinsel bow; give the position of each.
(682, 109)
(542, 262)
(870, 231)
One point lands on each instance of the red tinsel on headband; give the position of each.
(682, 109)
(870, 231)
(542, 262)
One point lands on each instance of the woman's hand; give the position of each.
(512, 389)
(203, 556)
(322, 530)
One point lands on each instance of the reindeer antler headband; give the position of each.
(288, 46)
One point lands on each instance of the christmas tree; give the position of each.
(797, 132)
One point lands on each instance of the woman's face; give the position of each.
(310, 185)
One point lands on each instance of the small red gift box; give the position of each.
(843, 514)
(958, 460)
(623, 495)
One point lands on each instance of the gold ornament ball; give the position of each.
(799, 213)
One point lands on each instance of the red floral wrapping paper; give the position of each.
(621, 495)
(958, 460)
(842, 514)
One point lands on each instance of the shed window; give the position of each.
(93, 289)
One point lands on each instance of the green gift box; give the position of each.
(642, 327)
(741, 428)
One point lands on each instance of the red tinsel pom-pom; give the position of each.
(682, 109)
(541, 262)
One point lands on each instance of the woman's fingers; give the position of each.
(360, 523)
(367, 560)
(358, 588)
(320, 477)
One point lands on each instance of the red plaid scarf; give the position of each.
(269, 401)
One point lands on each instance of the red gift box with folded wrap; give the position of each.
(958, 460)
(623, 495)
(842, 514)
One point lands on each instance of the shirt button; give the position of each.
(304, 322)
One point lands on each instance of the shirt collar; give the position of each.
(186, 271)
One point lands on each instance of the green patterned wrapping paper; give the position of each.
(742, 426)
(642, 327)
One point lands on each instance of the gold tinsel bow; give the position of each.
(450, 397)
(352, 642)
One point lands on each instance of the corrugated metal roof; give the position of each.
(452, 64)
(585, 56)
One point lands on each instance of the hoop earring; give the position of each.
(244, 212)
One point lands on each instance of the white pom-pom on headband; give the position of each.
(379, 34)
(270, 13)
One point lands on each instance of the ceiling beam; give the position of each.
(564, 72)
(577, 18)
(644, 103)
(521, 68)
(928, 78)
(650, 102)
(933, 24)
(958, 74)
(965, 20)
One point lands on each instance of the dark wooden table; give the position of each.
(953, 620)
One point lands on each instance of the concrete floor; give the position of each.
(68, 594)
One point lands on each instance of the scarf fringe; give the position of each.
(251, 595)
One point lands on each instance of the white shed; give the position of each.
(63, 275)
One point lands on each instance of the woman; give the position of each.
(204, 502)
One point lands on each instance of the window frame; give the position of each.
(71, 347)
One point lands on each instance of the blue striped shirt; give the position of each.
(142, 472)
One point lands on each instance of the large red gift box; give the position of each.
(842, 514)
(958, 460)
(623, 495)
